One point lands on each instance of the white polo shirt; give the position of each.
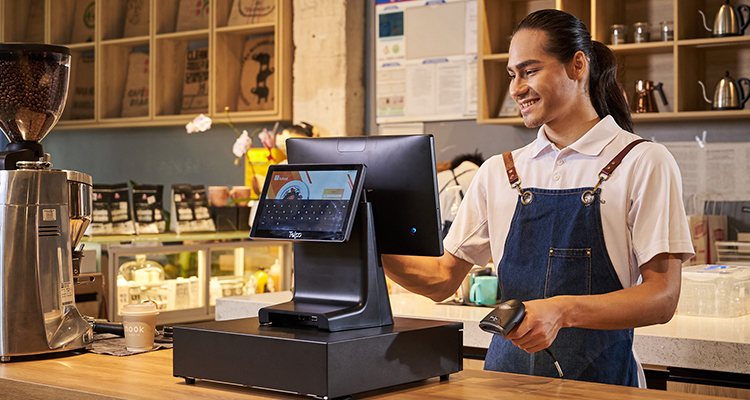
(641, 202)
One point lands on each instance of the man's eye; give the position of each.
(511, 77)
(531, 71)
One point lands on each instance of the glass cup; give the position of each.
(139, 324)
(619, 33)
(666, 31)
(641, 32)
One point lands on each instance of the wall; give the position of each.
(329, 39)
(164, 155)
(168, 155)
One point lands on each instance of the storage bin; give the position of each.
(715, 291)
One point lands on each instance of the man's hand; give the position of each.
(651, 302)
(539, 326)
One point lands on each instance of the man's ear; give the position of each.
(578, 67)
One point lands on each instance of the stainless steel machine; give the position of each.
(43, 212)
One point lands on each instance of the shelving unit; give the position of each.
(692, 55)
(53, 21)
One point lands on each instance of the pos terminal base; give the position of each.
(338, 286)
(309, 361)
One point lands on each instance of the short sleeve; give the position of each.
(468, 238)
(656, 216)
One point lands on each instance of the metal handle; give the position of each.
(103, 326)
(743, 21)
(659, 88)
(704, 21)
(744, 95)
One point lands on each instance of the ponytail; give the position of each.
(567, 35)
(607, 95)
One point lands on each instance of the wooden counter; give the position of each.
(701, 343)
(149, 376)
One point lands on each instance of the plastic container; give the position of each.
(715, 291)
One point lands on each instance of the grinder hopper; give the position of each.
(43, 212)
(33, 87)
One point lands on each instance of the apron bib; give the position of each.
(555, 247)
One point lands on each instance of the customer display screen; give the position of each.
(308, 202)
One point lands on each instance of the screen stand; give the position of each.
(338, 286)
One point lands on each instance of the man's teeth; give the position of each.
(528, 103)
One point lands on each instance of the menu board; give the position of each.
(426, 60)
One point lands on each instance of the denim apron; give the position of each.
(555, 247)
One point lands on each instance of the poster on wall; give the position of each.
(426, 60)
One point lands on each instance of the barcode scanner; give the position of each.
(504, 318)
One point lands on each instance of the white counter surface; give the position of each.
(715, 344)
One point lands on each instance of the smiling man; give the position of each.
(586, 224)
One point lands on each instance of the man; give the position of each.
(592, 252)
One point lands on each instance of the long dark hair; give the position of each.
(567, 35)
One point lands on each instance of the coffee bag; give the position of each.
(257, 90)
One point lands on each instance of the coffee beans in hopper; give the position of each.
(32, 92)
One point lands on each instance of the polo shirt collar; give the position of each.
(590, 144)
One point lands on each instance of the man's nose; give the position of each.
(517, 87)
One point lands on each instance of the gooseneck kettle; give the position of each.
(729, 20)
(728, 94)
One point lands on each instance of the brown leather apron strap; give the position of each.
(510, 169)
(610, 167)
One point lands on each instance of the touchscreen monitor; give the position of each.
(308, 202)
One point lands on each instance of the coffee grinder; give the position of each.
(43, 212)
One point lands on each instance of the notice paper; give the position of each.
(716, 171)
(426, 63)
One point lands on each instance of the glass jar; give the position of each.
(641, 32)
(619, 33)
(666, 32)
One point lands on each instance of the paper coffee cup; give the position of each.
(139, 324)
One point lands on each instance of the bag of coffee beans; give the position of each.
(195, 84)
(148, 209)
(257, 89)
(111, 210)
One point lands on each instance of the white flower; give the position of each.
(242, 144)
(201, 123)
(267, 138)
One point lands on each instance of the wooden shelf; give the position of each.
(155, 30)
(679, 63)
(716, 42)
